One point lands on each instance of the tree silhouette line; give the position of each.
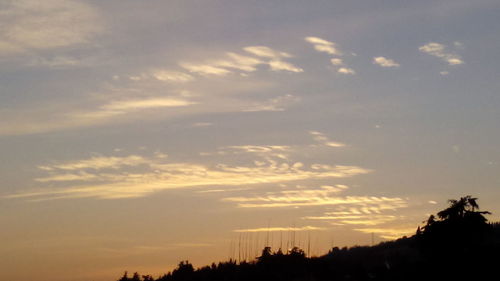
(456, 244)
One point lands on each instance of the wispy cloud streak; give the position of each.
(112, 177)
(277, 229)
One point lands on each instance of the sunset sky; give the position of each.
(138, 133)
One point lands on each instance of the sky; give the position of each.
(136, 134)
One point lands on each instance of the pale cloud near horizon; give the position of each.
(385, 62)
(39, 25)
(363, 219)
(389, 232)
(351, 211)
(440, 51)
(322, 196)
(277, 229)
(380, 213)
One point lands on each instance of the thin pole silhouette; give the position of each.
(267, 237)
(309, 244)
(239, 249)
(256, 253)
(281, 240)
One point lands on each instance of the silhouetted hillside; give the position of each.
(457, 244)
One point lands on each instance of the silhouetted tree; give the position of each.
(461, 208)
(136, 277)
(184, 271)
(266, 253)
(124, 277)
(461, 218)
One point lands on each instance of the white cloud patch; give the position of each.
(172, 76)
(385, 62)
(346, 70)
(101, 111)
(57, 62)
(278, 65)
(324, 140)
(265, 153)
(240, 62)
(337, 61)
(325, 46)
(97, 163)
(275, 104)
(322, 45)
(38, 25)
(236, 62)
(202, 124)
(225, 66)
(440, 51)
(114, 109)
(81, 176)
(138, 104)
(275, 62)
(205, 69)
(266, 52)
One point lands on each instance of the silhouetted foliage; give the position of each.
(461, 224)
(458, 244)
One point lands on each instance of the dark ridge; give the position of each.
(457, 244)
